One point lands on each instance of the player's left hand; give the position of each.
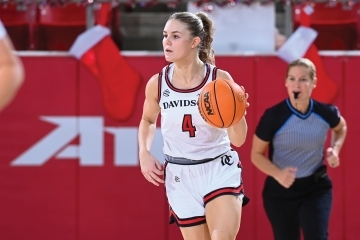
(332, 157)
(245, 97)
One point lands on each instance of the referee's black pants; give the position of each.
(305, 205)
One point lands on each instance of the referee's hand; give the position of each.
(286, 176)
(332, 157)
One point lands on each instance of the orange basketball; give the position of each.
(220, 103)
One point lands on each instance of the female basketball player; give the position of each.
(298, 192)
(11, 70)
(202, 173)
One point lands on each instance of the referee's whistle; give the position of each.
(296, 95)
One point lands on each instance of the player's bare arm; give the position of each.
(11, 72)
(150, 166)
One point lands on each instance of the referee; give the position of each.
(297, 193)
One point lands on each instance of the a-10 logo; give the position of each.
(90, 150)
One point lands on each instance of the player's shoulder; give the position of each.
(154, 83)
(222, 74)
(154, 79)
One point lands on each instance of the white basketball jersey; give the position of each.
(185, 132)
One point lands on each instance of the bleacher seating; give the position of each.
(19, 23)
(33, 27)
(52, 28)
(58, 27)
(337, 26)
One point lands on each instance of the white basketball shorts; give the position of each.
(190, 187)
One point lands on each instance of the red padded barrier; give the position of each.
(350, 163)
(38, 203)
(63, 198)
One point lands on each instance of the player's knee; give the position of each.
(222, 235)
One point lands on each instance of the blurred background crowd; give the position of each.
(53, 25)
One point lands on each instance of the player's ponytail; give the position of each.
(206, 53)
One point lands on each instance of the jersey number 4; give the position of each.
(187, 125)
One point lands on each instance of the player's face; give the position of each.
(299, 83)
(177, 42)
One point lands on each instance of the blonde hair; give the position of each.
(305, 62)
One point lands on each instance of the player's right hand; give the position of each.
(151, 168)
(286, 176)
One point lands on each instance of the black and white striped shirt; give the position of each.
(297, 139)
